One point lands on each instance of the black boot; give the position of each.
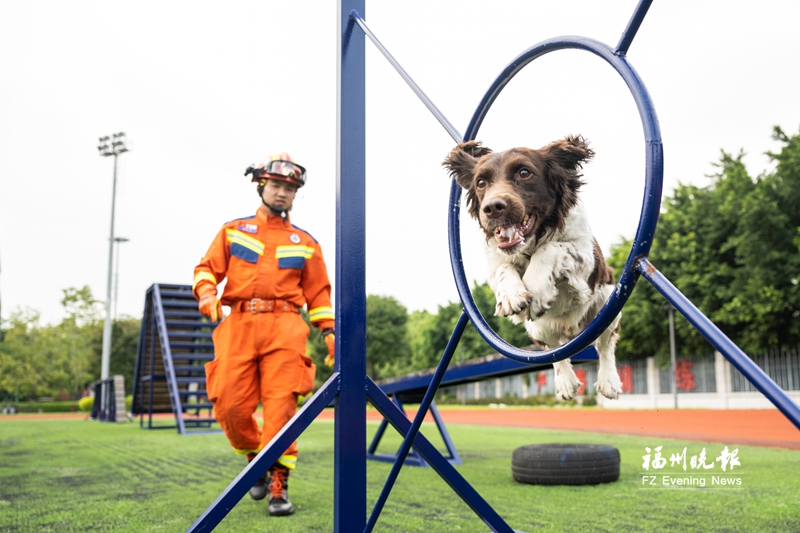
(259, 489)
(279, 504)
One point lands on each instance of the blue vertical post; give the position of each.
(350, 434)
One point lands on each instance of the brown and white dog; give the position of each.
(545, 266)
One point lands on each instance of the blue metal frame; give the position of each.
(413, 458)
(350, 433)
(350, 387)
(166, 356)
(413, 389)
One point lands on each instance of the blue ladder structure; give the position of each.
(350, 387)
(170, 377)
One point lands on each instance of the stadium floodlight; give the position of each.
(107, 146)
(104, 146)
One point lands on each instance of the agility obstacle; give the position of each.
(412, 389)
(350, 387)
(170, 376)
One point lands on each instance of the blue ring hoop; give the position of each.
(651, 203)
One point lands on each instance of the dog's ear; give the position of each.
(461, 160)
(569, 153)
(564, 162)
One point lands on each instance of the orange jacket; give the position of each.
(269, 258)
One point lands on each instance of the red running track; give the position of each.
(749, 427)
(767, 427)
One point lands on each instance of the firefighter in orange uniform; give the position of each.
(273, 269)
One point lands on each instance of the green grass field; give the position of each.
(77, 476)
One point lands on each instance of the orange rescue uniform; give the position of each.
(273, 269)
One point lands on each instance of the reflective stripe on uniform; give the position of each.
(246, 452)
(294, 251)
(289, 461)
(321, 313)
(203, 276)
(234, 236)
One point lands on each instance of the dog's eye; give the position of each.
(524, 173)
(480, 184)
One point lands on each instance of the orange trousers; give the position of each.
(259, 357)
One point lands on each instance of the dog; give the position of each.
(545, 266)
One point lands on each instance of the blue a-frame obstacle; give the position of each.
(350, 388)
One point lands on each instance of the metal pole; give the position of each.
(118, 241)
(350, 429)
(672, 354)
(116, 279)
(106, 355)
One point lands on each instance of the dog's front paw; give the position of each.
(539, 306)
(608, 383)
(567, 385)
(513, 303)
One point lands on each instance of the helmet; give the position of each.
(278, 167)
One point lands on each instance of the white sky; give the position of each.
(202, 90)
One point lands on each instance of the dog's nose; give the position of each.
(495, 207)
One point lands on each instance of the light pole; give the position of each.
(669, 307)
(114, 145)
(117, 240)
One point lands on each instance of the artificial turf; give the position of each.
(76, 475)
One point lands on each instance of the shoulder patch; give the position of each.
(249, 228)
(307, 233)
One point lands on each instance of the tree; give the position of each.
(388, 349)
(20, 369)
(73, 355)
(60, 361)
(124, 342)
(430, 333)
(732, 249)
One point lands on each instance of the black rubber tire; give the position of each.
(565, 464)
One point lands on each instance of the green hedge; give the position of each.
(544, 399)
(45, 407)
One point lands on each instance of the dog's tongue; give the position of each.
(507, 236)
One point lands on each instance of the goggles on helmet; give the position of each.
(279, 169)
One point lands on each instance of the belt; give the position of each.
(257, 305)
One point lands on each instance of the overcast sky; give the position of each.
(204, 89)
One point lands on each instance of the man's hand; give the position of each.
(210, 306)
(330, 341)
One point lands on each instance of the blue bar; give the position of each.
(420, 416)
(456, 136)
(470, 373)
(633, 26)
(413, 458)
(428, 451)
(256, 468)
(166, 356)
(455, 458)
(721, 342)
(350, 433)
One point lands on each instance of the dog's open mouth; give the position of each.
(513, 234)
